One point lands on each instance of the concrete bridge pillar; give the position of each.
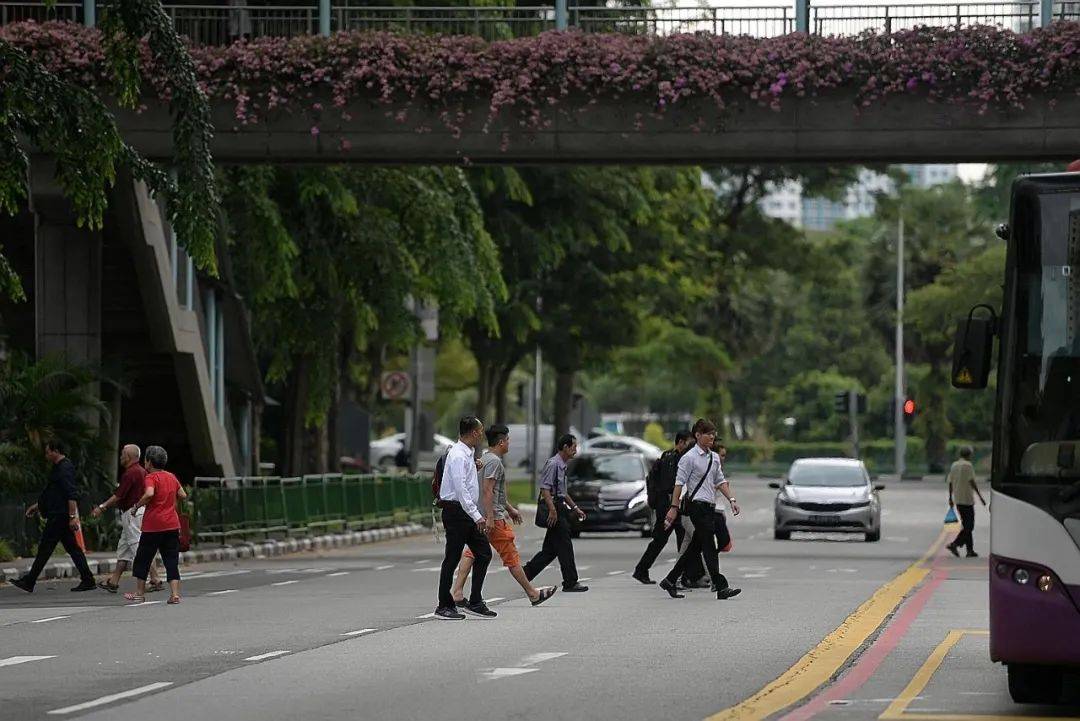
(67, 277)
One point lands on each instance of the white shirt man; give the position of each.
(465, 525)
(460, 482)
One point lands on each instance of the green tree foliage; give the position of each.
(329, 258)
(599, 247)
(72, 125)
(44, 399)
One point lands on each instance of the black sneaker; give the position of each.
(952, 550)
(479, 610)
(725, 593)
(449, 614)
(84, 586)
(23, 585)
(971, 554)
(642, 576)
(671, 589)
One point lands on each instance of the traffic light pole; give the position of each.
(899, 435)
(853, 419)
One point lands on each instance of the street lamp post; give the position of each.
(899, 437)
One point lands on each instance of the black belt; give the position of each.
(707, 503)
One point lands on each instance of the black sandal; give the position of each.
(106, 586)
(545, 593)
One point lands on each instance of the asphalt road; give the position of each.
(345, 635)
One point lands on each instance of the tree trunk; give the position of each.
(485, 386)
(564, 392)
(501, 408)
(296, 401)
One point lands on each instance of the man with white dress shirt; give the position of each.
(699, 478)
(464, 524)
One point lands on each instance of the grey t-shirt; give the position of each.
(493, 468)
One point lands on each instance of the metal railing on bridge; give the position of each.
(228, 508)
(222, 22)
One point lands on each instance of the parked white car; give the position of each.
(383, 451)
(622, 443)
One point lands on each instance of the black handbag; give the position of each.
(541, 505)
(684, 502)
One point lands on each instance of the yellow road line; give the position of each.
(897, 710)
(922, 677)
(823, 661)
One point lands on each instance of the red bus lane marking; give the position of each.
(869, 662)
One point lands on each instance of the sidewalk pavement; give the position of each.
(104, 562)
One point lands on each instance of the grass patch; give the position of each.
(6, 554)
(519, 492)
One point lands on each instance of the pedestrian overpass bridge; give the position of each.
(596, 127)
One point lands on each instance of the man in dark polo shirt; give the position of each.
(57, 504)
(127, 494)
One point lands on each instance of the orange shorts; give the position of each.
(501, 537)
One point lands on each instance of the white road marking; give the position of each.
(541, 657)
(220, 593)
(615, 573)
(755, 569)
(583, 568)
(222, 574)
(16, 660)
(339, 573)
(428, 615)
(493, 600)
(422, 560)
(284, 583)
(493, 673)
(383, 568)
(109, 699)
(427, 569)
(360, 632)
(755, 575)
(582, 580)
(144, 603)
(50, 618)
(264, 656)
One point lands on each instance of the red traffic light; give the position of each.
(909, 407)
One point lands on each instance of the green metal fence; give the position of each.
(242, 507)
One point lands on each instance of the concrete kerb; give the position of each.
(261, 549)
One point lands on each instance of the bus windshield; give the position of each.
(1042, 398)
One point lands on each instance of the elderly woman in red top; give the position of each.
(160, 526)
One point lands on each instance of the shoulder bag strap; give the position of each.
(690, 498)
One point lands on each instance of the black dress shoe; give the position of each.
(643, 576)
(953, 550)
(725, 593)
(971, 554)
(576, 588)
(670, 588)
(23, 585)
(702, 582)
(84, 586)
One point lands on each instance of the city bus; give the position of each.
(1035, 473)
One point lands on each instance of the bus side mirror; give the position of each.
(973, 349)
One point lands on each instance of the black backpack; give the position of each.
(436, 480)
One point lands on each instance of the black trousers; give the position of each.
(58, 531)
(702, 545)
(167, 543)
(967, 523)
(660, 536)
(557, 544)
(461, 531)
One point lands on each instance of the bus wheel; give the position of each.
(1034, 684)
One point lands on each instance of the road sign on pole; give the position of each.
(395, 385)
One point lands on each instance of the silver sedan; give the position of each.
(827, 495)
